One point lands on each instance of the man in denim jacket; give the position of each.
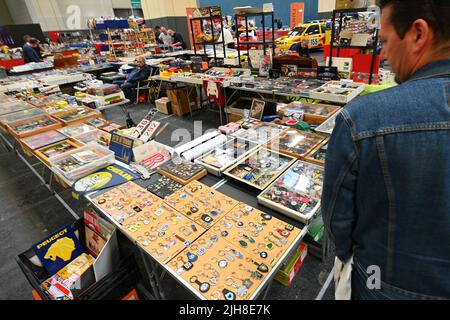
(386, 199)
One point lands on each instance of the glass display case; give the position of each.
(224, 156)
(312, 113)
(43, 139)
(328, 126)
(56, 149)
(337, 91)
(78, 163)
(76, 115)
(296, 143)
(31, 126)
(13, 106)
(103, 90)
(182, 171)
(318, 155)
(260, 134)
(96, 136)
(73, 131)
(297, 193)
(260, 168)
(20, 115)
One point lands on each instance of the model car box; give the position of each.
(287, 273)
(315, 231)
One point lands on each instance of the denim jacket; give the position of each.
(386, 196)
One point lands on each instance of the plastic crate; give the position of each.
(106, 158)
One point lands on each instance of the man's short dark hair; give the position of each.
(435, 12)
(157, 27)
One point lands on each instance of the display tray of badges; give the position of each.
(76, 115)
(226, 155)
(78, 163)
(163, 186)
(161, 231)
(260, 134)
(318, 155)
(31, 126)
(328, 126)
(124, 201)
(19, 116)
(313, 113)
(260, 168)
(13, 106)
(201, 204)
(97, 136)
(41, 140)
(76, 130)
(260, 234)
(337, 91)
(297, 193)
(215, 269)
(296, 143)
(182, 171)
(47, 152)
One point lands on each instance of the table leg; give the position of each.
(150, 275)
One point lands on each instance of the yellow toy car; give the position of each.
(313, 32)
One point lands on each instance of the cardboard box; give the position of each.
(180, 100)
(164, 105)
(232, 117)
(288, 272)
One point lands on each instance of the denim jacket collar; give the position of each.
(433, 69)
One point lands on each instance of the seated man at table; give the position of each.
(142, 72)
(30, 53)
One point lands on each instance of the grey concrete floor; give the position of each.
(29, 211)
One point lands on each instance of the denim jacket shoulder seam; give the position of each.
(349, 121)
(402, 129)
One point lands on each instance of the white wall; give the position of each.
(19, 12)
(154, 9)
(67, 14)
(121, 4)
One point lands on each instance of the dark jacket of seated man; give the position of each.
(141, 73)
(30, 54)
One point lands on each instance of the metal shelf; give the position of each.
(254, 14)
(256, 42)
(354, 47)
(206, 18)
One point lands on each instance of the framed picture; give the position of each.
(257, 109)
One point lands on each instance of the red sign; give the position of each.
(297, 13)
(195, 24)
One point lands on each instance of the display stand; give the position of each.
(211, 17)
(264, 41)
(341, 13)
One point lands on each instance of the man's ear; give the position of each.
(420, 35)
